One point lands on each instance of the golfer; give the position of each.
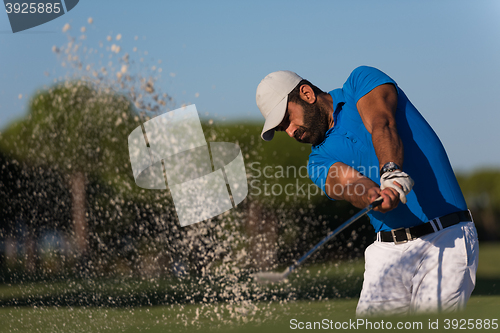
(369, 141)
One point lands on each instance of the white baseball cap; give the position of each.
(272, 99)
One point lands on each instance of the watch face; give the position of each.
(388, 167)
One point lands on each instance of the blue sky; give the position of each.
(444, 54)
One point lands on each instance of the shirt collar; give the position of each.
(338, 101)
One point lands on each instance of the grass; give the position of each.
(319, 281)
(263, 317)
(272, 318)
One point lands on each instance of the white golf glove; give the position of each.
(400, 177)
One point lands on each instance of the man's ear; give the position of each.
(307, 94)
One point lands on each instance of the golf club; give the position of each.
(268, 277)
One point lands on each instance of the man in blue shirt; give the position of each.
(369, 141)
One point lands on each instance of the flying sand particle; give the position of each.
(66, 27)
(224, 263)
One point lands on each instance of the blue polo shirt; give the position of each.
(436, 191)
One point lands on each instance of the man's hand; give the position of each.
(346, 183)
(399, 181)
(390, 198)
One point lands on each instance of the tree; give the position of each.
(79, 130)
(482, 193)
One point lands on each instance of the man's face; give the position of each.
(306, 123)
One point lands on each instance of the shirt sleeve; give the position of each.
(317, 169)
(322, 158)
(364, 79)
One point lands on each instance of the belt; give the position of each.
(403, 235)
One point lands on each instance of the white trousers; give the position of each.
(436, 272)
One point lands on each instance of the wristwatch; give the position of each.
(389, 167)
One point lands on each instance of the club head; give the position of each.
(269, 277)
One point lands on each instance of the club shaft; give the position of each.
(332, 234)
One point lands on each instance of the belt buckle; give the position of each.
(408, 236)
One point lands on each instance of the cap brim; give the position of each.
(274, 119)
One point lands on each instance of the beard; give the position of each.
(315, 124)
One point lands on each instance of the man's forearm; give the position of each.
(388, 145)
(346, 183)
(357, 193)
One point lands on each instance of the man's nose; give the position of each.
(290, 130)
